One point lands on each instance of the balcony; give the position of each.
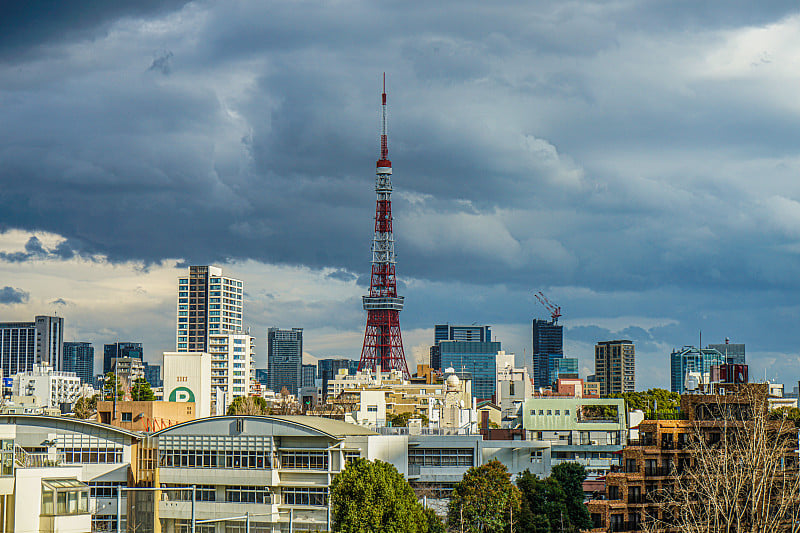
(655, 471)
(626, 526)
(636, 498)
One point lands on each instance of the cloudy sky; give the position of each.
(637, 161)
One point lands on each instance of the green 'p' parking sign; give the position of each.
(181, 394)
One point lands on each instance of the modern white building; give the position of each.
(277, 468)
(51, 386)
(209, 303)
(232, 368)
(187, 378)
(514, 386)
(61, 475)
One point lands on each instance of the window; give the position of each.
(558, 412)
(127, 417)
(304, 496)
(541, 412)
(304, 460)
(441, 457)
(104, 489)
(549, 412)
(536, 456)
(240, 494)
(64, 497)
(92, 455)
(372, 408)
(178, 458)
(566, 412)
(204, 493)
(350, 456)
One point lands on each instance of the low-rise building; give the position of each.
(144, 416)
(61, 474)
(588, 431)
(52, 387)
(277, 468)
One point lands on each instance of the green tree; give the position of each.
(141, 391)
(484, 499)
(434, 524)
(248, 405)
(544, 507)
(110, 383)
(85, 407)
(401, 420)
(646, 401)
(372, 496)
(570, 476)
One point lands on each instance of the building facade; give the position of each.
(116, 350)
(209, 303)
(232, 362)
(615, 366)
(589, 431)
(52, 387)
(152, 373)
(734, 353)
(79, 358)
(447, 332)
(691, 359)
(277, 468)
(284, 359)
(548, 344)
(309, 375)
(187, 378)
(24, 344)
(476, 357)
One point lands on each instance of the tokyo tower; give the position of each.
(383, 343)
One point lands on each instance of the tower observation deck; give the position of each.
(383, 342)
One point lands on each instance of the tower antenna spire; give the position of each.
(384, 138)
(383, 342)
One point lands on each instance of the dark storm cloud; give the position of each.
(10, 295)
(620, 148)
(24, 26)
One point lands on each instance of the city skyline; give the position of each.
(637, 165)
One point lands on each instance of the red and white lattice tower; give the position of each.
(383, 343)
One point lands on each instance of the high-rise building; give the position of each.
(615, 366)
(548, 344)
(79, 358)
(152, 373)
(118, 350)
(24, 344)
(327, 369)
(447, 332)
(284, 359)
(232, 363)
(309, 375)
(476, 357)
(209, 303)
(734, 353)
(563, 368)
(383, 342)
(691, 359)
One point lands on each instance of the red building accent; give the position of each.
(383, 342)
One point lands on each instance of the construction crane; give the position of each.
(555, 310)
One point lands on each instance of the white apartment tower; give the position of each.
(209, 303)
(232, 367)
(52, 387)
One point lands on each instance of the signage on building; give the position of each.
(181, 394)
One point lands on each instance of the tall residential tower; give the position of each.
(615, 366)
(284, 359)
(209, 303)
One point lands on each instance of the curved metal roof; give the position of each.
(16, 418)
(332, 428)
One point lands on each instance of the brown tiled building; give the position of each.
(664, 449)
